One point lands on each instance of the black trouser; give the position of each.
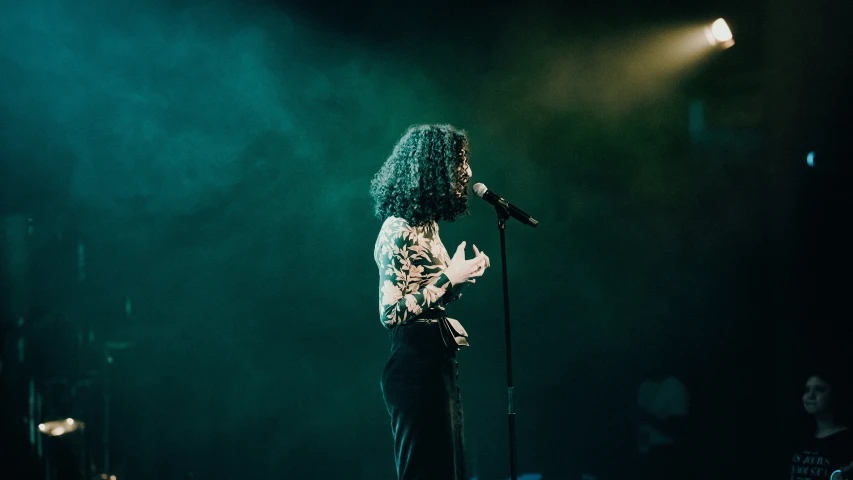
(419, 387)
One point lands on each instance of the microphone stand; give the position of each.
(503, 215)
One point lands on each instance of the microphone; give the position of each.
(497, 201)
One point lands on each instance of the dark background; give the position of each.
(212, 161)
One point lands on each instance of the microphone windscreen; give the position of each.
(480, 189)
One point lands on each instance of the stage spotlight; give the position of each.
(720, 34)
(57, 428)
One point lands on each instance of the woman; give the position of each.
(424, 181)
(828, 453)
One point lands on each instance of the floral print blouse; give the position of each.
(411, 261)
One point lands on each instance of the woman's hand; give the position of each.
(461, 270)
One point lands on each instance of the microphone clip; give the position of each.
(503, 215)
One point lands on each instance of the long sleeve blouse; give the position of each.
(411, 261)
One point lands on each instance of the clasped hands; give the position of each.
(462, 270)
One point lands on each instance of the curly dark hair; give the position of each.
(425, 179)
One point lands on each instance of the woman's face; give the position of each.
(817, 395)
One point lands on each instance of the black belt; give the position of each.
(444, 327)
(430, 316)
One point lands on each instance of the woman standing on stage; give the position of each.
(424, 181)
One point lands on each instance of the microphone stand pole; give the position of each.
(503, 215)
